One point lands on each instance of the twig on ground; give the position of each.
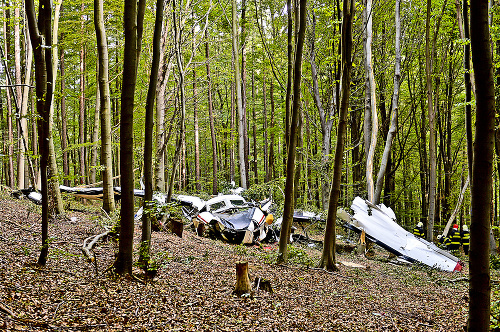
(6, 309)
(439, 281)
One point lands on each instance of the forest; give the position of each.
(312, 103)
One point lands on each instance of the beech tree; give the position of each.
(133, 17)
(482, 169)
(41, 41)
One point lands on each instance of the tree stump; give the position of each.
(176, 226)
(242, 280)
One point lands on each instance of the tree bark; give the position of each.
(40, 35)
(290, 165)
(394, 111)
(53, 172)
(239, 101)
(481, 190)
(21, 165)
(328, 257)
(432, 129)
(211, 117)
(108, 200)
(81, 120)
(64, 122)
(326, 119)
(132, 26)
(371, 120)
(148, 139)
(243, 285)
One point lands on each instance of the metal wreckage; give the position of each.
(233, 219)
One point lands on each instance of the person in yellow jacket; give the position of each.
(419, 230)
(465, 237)
(455, 240)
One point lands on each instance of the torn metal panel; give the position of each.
(379, 224)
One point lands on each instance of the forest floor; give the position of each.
(192, 290)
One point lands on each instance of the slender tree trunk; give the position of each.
(211, 118)
(11, 177)
(132, 17)
(326, 120)
(197, 172)
(40, 34)
(481, 190)
(239, 101)
(81, 120)
(468, 87)
(432, 129)
(108, 200)
(328, 258)
(290, 166)
(270, 169)
(371, 121)
(53, 172)
(246, 148)
(254, 134)
(95, 132)
(148, 139)
(165, 69)
(394, 111)
(64, 126)
(265, 130)
(21, 165)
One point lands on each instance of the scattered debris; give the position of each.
(379, 224)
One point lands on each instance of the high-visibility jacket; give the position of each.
(455, 239)
(465, 238)
(418, 231)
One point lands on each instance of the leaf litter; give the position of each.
(192, 290)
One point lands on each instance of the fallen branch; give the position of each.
(6, 309)
(88, 246)
(451, 280)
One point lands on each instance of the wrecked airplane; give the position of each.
(379, 224)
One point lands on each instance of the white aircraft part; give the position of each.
(379, 222)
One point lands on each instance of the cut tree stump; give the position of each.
(242, 280)
(176, 226)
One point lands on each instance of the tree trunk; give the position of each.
(10, 143)
(394, 111)
(64, 126)
(468, 88)
(108, 200)
(254, 134)
(53, 172)
(290, 165)
(81, 120)
(212, 121)
(481, 190)
(148, 138)
(371, 120)
(132, 27)
(239, 101)
(197, 172)
(328, 257)
(326, 118)
(21, 165)
(40, 34)
(271, 173)
(265, 130)
(432, 129)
